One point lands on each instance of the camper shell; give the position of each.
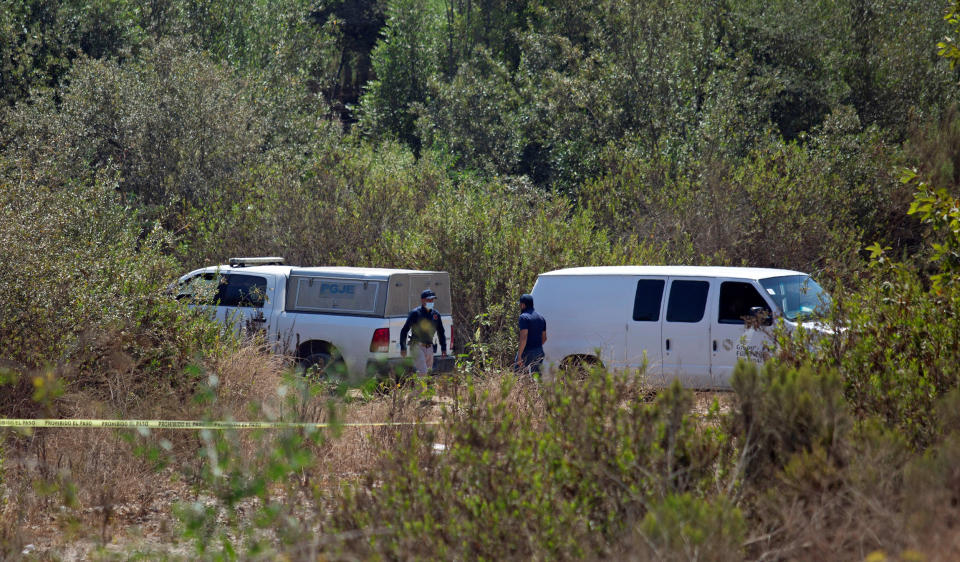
(379, 293)
(345, 316)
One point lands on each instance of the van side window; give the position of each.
(688, 301)
(736, 300)
(646, 306)
(242, 290)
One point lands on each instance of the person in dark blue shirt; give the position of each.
(423, 323)
(533, 334)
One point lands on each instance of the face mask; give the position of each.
(429, 306)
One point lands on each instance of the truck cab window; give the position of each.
(242, 290)
(688, 301)
(199, 289)
(646, 305)
(736, 300)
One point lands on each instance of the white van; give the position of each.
(686, 322)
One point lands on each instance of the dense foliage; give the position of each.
(497, 140)
(755, 133)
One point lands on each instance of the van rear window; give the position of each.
(318, 294)
(646, 305)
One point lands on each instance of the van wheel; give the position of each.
(324, 366)
(577, 367)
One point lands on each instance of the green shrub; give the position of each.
(783, 205)
(336, 206)
(405, 57)
(899, 351)
(781, 411)
(82, 289)
(523, 479)
(474, 116)
(251, 486)
(685, 527)
(825, 505)
(931, 498)
(816, 478)
(175, 125)
(897, 332)
(39, 40)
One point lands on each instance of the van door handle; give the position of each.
(714, 345)
(668, 344)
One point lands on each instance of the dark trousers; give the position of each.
(532, 359)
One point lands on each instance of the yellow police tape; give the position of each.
(194, 424)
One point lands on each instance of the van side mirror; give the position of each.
(760, 316)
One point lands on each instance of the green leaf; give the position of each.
(876, 250)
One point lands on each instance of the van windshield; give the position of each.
(798, 296)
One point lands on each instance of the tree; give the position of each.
(357, 25)
(178, 128)
(403, 61)
(40, 39)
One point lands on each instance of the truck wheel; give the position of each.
(324, 366)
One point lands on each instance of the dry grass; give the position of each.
(64, 485)
(250, 375)
(70, 492)
(88, 486)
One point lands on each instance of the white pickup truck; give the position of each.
(338, 320)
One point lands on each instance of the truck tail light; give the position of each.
(381, 340)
